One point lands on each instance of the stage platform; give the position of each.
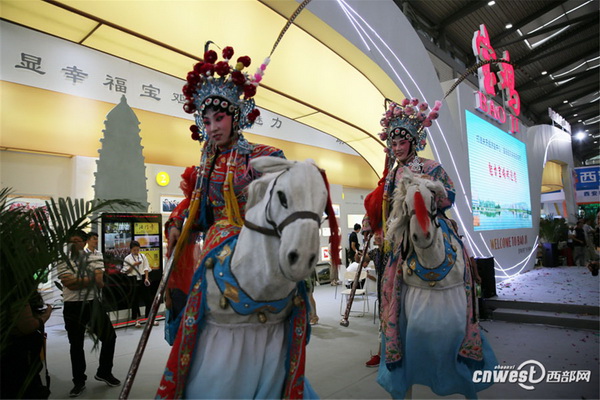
(563, 296)
(562, 285)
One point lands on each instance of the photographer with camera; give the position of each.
(22, 360)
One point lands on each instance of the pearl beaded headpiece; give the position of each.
(408, 120)
(218, 84)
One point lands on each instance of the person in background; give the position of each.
(21, 361)
(137, 267)
(82, 280)
(353, 244)
(353, 267)
(379, 259)
(579, 245)
(311, 282)
(92, 244)
(590, 248)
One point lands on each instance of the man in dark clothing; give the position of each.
(579, 244)
(353, 245)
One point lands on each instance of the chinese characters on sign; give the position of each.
(119, 84)
(32, 63)
(483, 50)
(501, 172)
(276, 123)
(76, 75)
(587, 184)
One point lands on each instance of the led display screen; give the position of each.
(499, 177)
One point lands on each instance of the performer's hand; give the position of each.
(173, 237)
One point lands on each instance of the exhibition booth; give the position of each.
(68, 109)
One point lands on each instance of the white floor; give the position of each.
(564, 285)
(336, 355)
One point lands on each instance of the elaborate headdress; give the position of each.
(220, 85)
(408, 121)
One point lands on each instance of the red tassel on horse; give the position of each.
(334, 238)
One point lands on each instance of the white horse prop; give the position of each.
(279, 243)
(437, 324)
(435, 253)
(253, 301)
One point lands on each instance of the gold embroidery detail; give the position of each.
(297, 301)
(413, 264)
(431, 276)
(224, 253)
(231, 293)
(223, 303)
(262, 317)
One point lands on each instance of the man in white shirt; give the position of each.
(82, 278)
(137, 267)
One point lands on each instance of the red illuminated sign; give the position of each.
(505, 81)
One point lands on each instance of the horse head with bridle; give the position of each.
(279, 243)
(429, 243)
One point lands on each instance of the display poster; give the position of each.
(499, 177)
(169, 203)
(119, 229)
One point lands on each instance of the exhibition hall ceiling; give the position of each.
(554, 45)
(306, 80)
(318, 78)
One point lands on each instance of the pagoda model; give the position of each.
(121, 172)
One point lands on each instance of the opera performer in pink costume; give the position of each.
(211, 357)
(431, 335)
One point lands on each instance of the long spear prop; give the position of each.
(344, 322)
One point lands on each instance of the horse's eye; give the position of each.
(282, 199)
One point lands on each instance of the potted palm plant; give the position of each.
(32, 242)
(552, 231)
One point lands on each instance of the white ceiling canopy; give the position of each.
(315, 77)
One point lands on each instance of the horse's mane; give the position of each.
(397, 223)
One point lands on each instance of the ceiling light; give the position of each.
(544, 72)
(565, 101)
(575, 115)
(580, 135)
(578, 120)
(508, 26)
(491, 3)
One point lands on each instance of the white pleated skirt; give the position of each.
(239, 361)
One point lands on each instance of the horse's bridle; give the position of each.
(278, 228)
